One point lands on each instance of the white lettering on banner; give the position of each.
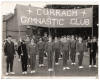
(38, 11)
(63, 13)
(55, 17)
(46, 12)
(47, 21)
(87, 21)
(84, 13)
(58, 13)
(74, 13)
(75, 21)
(53, 21)
(61, 21)
(53, 12)
(29, 11)
(69, 13)
(23, 19)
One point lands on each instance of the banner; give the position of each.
(54, 18)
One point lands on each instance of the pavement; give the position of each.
(58, 69)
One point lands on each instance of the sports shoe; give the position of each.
(67, 67)
(7, 73)
(50, 69)
(19, 60)
(80, 67)
(60, 58)
(42, 65)
(90, 66)
(56, 63)
(45, 57)
(72, 63)
(25, 72)
(64, 68)
(95, 66)
(28, 65)
(12, 73)
(33, 71)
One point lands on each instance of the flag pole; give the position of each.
(92, 22)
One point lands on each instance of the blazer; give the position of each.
(9, 49)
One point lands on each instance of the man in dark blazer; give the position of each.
(22, 52)
(93, 51)
(9, 54)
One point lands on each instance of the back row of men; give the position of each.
(66, 47)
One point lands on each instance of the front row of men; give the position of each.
(53, 49)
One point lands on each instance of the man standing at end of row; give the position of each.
(9, 53)
(93, 50)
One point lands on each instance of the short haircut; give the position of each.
(9, 36)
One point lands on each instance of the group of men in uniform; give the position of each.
(65, 47)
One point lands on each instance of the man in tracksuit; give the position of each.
(65, 50)
(80, 49)
(93, 51)
(41, 47)
(9, 53)
(73, 50)
(50, 53)
(57, 46)
(45, 40)
(32, 51)
(27, 41)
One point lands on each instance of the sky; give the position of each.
(9, 6)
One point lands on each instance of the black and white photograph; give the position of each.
(49, 39)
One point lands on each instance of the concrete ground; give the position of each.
(43, 71)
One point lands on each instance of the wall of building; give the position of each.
(13, 28)
(4, 30)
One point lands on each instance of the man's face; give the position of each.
(40, 39)
(33, 36)
(64, 38)
(72, 37)
(28, 39)
(94, 40)
(67, 38)
(32, 41)
(9, 38)
(50, 39)
(45, 35)
(56, 39)
(88, 37)
(80, 39)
